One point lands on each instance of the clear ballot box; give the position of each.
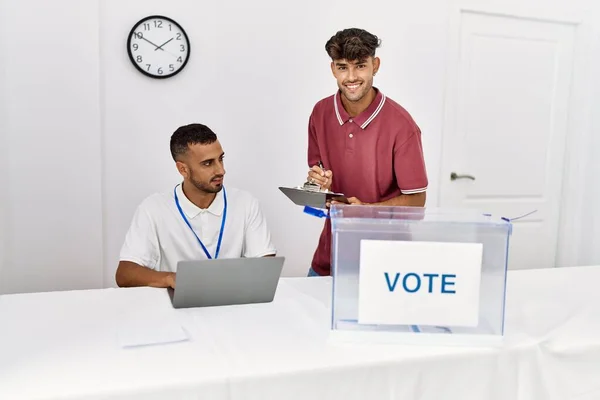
(418, 275)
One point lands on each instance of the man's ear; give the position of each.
(333, 68)
(376, 63)
(183, 169)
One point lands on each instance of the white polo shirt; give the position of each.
(159, 237)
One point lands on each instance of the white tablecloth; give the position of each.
(65, 345)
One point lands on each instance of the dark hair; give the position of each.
(190, 134)
(352, 44)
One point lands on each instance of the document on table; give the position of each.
(150, 329)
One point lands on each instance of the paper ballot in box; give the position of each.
(416, 275)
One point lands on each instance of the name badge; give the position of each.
(419, 283)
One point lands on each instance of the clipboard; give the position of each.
(312, 198)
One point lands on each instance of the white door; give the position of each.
(506, 124)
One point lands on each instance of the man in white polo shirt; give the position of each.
(197, 219)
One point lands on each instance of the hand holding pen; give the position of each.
(319, 175)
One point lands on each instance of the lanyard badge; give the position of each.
(192, 229)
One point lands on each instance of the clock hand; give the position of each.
(151, 43)
(160, 47)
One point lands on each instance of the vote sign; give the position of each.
(419, 283)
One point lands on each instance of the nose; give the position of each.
(351, 74)
(220, 168)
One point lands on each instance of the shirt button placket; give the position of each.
(350, 140)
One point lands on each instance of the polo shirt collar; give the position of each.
(191, 210)
(363, 119)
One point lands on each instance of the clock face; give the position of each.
(158, 47)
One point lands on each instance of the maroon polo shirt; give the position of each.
(374, 156)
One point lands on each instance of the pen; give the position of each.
(322, 168)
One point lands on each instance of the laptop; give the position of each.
(226, 281)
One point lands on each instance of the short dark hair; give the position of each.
(352, 44)
(190, 134)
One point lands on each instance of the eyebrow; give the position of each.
(211, 159)
(344, 64)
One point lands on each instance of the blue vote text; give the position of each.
(421, 282)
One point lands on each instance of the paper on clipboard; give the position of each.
(312, 198)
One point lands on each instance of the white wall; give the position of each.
(85, 136)
(51, 127)
(3, 149)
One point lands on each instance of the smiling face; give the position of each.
(353, 63)
(355, 78)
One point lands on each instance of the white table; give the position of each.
(64, 345)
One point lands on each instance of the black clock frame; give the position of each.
(132, 58)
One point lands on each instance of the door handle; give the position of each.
(454, 176)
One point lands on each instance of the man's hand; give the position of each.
(404, 200)
(355, 201)
(351, 200)
(130, 274)
(170, 280)
(321, 177)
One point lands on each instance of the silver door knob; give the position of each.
(454, 176)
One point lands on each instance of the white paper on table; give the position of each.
(150, 329)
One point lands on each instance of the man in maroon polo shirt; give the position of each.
(369, 146)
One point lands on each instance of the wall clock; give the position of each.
(158, 47)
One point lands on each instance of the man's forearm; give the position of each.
(130, 274)
(408, 200)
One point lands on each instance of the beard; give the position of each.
(210, 186)
(360, 93)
